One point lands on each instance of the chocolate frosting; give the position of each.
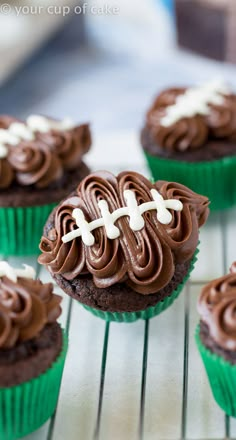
(191, 132)
(222, 119)
(35, 164)
(145, 259)
(7, 174)
(233, 267)
(6, 121)
(168, 97)
(184, 134)
(26, 307)
(43, 161)
(217, 307)
(70, 145)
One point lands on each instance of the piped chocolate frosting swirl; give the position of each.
(40, 156)
(26, 307)
(217, 308)
(144, 259)
(182, 119)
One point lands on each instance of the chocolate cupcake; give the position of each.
(190, 137)
(122, 246)
(40, 162)
(216, 338)
(32, 351)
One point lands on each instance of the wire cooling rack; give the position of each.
(145, 380)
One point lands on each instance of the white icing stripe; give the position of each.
(111, 230)
(12, 273)
(21, 131)
(18, 131)
(7, 137)
(3, 151)
(136, 220)
(132, 210)
(195, 102)
(42, 124)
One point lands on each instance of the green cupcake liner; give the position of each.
(148, 313)
(221, 375)
(26, 407)
(215, 179)
(21, 229)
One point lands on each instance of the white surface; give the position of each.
(78, 403)
(24, 33)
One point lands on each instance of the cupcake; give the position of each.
(122, 246)
(216, 338)
(40, 162)
(32, 351)
(190, 137)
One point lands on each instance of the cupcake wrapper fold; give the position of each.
(26, 407)
(221, 375)
(148, 313)
(21, 229)
(214, 179)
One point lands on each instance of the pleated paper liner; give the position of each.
(215, 179)
(26, 407)
(221, 375)
(148, 313)
(21, 229)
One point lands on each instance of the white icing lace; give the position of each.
(13, 273)
(18, 131)
(195, 101)
(132, 210)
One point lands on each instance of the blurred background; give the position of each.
(104, 60)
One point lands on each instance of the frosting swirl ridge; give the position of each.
(186, 118)
(38, 151)
(222, 118)
(168, 97)
(70, 145)
(186, 133)
(143, 259)
(217, 307)
(26, 306)
(35, 164)
(7, 174)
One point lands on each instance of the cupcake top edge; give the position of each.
(124, 229)
(26, 305)
(187, 118)
(38, 151)
(217, 309)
